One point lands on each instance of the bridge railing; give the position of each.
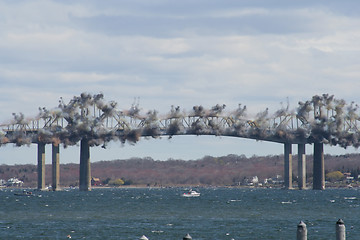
(119, 121)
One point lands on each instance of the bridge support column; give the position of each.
(301, 166)
(85, 171)
(319, 167)
(55, 166)
(41, 166)
(287, 166)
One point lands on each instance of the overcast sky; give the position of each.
(184, 53)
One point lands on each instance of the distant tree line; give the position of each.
(219, 171)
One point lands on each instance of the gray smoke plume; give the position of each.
(198, 111)
(217, 110)
(323, 119)
(240, 112)
(175, 112)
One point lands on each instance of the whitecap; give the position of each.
(350, 198)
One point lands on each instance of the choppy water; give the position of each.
(162, 214)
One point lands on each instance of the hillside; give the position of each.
(219, 171)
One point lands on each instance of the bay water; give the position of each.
(163, 214)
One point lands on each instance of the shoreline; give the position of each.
(330, 186)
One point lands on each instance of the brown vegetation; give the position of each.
(219, 171)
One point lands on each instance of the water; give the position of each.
(162, 214)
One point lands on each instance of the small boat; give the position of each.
(24, 193)
(191, 193)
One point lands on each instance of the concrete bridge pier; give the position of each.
(301, 166)
(319, 167)
(287, 166)
(55, 167)
(41, 166)
(85, 170)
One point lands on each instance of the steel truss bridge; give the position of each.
(93, 122)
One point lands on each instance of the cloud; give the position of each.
(185, 53)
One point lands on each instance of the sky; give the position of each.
(159, 53)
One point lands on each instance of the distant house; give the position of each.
(348, 177)
(255, 180)
(14, 182)
(250, 182)
(95, 181)
(277, 180)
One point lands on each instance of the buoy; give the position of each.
(301, 233)
(187, 237)
(143, 237)
(340, 230)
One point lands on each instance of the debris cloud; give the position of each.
(323, 119)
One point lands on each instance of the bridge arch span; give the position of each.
(89, 119)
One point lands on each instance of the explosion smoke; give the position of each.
(322, 119)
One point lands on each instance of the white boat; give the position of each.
(191, 193)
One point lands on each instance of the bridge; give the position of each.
(92, 121)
